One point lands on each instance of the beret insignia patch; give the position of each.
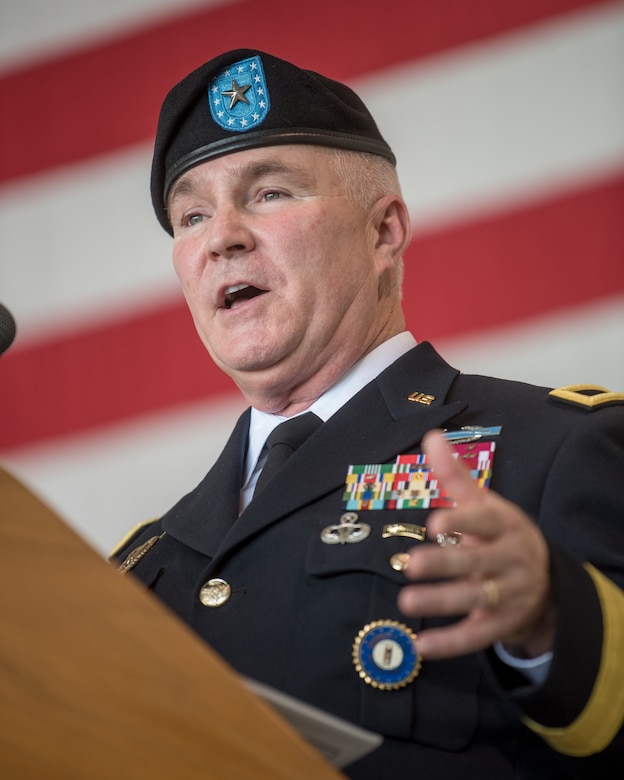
(238, 96)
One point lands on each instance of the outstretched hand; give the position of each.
(497, 578)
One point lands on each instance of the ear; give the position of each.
(392, 230)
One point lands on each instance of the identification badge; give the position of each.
(385, 655)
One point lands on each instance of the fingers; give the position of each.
(466, 494)
(496, 580)
(475, 601)
(467, 636)
(456, 479)
(451, 598)
(432, 562)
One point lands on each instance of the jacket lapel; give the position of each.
(203, 517)
(379, 423)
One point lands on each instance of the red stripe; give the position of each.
(104, 97)
(477, 276)
(511, 267)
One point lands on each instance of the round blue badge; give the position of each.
(385, 655)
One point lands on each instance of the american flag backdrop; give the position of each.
(507, 119)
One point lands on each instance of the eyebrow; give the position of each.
(188, 183)
(183, 186)
(261, 168)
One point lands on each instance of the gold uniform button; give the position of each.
(215, 593)
(399, 561)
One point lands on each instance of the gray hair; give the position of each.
(366, 177)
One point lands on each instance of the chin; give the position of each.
(250, 362)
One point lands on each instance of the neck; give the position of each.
(280, 395)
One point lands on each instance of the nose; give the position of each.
(230, 233)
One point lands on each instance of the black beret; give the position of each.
(245, 99)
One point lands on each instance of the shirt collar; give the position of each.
(363, 372)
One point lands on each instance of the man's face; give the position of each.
(277, 264)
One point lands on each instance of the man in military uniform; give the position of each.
(440, 558)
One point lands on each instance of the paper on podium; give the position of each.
(340, 742)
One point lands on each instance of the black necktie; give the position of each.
(283, 442)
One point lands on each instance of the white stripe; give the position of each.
(582, 345)
(104, 484)
(33, 29)
(485, 126)
(82, 245)
(492, 124)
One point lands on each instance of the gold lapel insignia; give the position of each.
(421, 398)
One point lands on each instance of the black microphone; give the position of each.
(7, 329)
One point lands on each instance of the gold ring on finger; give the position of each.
(492, 594)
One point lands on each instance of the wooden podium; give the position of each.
(98, 680)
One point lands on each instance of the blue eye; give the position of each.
(272, 195)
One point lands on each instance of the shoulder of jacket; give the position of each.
(130, 537)
(587, 397)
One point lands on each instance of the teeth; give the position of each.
(240, 292)
(231, 292)
(235, 288)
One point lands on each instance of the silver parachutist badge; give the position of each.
(347, 531)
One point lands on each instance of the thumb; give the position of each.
(451, 473)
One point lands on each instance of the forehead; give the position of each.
(306, 165)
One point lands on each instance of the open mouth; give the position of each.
(240, 292)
